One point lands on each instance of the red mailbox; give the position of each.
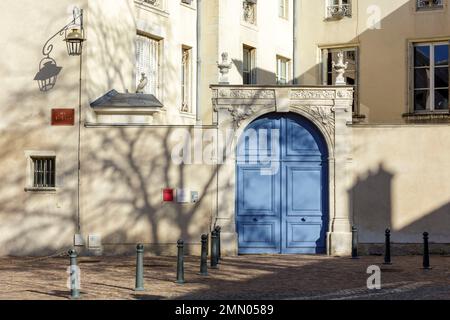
(168, 195)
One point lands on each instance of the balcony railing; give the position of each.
(155, 3)
(339, 11)
(429, 4)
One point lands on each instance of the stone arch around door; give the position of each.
(281, 186)
(328, 108)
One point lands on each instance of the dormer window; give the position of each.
(338, 9)
(430, 4)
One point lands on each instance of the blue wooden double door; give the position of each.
(282, 189)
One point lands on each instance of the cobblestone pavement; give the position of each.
(243, 277)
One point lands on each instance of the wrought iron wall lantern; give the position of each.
(73, 34)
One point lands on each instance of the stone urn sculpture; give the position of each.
(340, 67)
(224, 68)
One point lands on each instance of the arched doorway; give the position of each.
(282, 186)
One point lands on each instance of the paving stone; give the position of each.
(243, 277)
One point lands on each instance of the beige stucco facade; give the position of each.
(388, 170)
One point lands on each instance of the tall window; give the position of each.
(351, 74)
(283, 8)
(148, 63)
(248, 65)
(429, 4)
(186, 79)
(431, 76)
(338, 9)
(282, 70)
(43, 169)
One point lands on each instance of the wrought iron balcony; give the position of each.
(429, 4)
(339, 11)
(154, 3)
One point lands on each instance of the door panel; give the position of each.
(258, 216)
(282, 210)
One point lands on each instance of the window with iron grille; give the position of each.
(429, 4)
(148, 63)
(338, 9)
(43, 170)
(155, 3)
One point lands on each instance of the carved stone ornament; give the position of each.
(246, 94)
(344, 94)
(240, 113)
(303, 94)
(323, 116)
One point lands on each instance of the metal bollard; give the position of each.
(426, 253)
(219, 253)
(204, 256)
(74, 275)
(139, 268)
(180, 263)
(354, 243)
(214, 250)
(387, 252)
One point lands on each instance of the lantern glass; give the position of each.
(74, 40)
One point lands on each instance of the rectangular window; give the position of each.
(283, 8)
(431, 76)
(148, 63)
(43, 169)
(248, 65)
(338, 9)
(186, 79)
(429, 4)
(282, 70)
(351, 74)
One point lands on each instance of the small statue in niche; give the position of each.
(142, 83)
(340, 67)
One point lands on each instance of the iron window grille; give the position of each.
(338, 9)
(43, 172)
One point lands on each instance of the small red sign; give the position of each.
(167, 195)
(63, 117)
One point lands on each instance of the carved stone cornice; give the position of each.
(245, 94)
(312, 94)
(344, 94)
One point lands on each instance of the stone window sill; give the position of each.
(418, 117)
(41, 189)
